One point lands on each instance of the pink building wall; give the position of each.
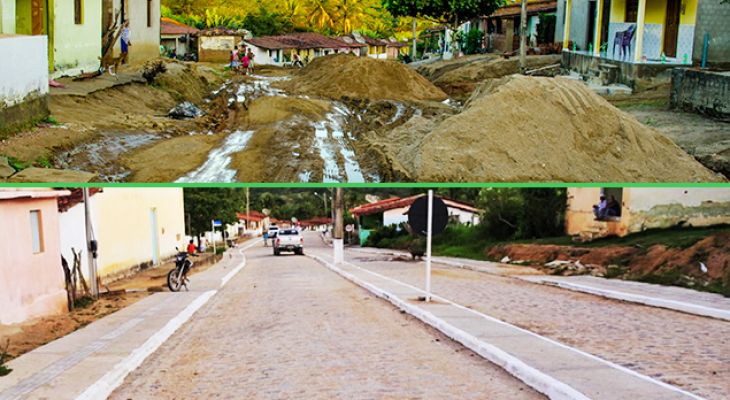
(31, 285)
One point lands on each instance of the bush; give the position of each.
(384, 237)
(473, 41)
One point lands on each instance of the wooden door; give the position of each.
(37, 16)
(671, 28)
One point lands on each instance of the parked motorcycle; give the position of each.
(177, 277)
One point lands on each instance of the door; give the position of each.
(605, 19)
(155, 241)
(671, 28)
(590, 32)
(37, 17)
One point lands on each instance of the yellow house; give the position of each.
(648, 31)
(134, 227)
(646, 208)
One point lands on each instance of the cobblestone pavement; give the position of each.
(688, 351)
(286, 327)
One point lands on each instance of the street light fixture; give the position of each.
(324, 199)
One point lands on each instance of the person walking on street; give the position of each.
(266, 238)
(126, 42)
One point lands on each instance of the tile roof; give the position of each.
(397, 202)
(300, 40)
(76, 197)
(256, 216)
(533, 8)
(171, 27)
(220, 31)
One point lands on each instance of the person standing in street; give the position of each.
(126, 42)
(266, 238)
(250, 56)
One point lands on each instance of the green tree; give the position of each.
(266, 23)
(203, 205)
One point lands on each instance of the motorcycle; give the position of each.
(177, 277)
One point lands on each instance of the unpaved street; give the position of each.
(286, 327)
(688, 351)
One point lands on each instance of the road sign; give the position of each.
(350, 227)
(418, 216)
(217, 223)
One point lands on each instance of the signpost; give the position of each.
(213, 224)
(428, 216)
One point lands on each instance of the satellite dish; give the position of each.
(418, 216)
(265, 211)
(294, 219)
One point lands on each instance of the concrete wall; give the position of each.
(23, 80)
(666, 207)
(145, 39)
(76, 47)
(579, 23)
(713, 18)
(216, 48)
(31, 285)
(7, 16)
(125, 228)
(647, 208)
(395, 216)
(705, 91)
(560, 20)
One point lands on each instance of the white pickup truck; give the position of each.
(288, 240)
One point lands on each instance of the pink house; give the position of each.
(31, 276)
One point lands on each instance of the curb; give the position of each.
(532, 377)
(673, 305)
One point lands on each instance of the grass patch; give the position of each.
(659, 103)
(676, 278)
(83, 302)
(681, 238)
(16, 163)
(4, 356)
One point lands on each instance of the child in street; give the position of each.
(244, 63)
(234, 60)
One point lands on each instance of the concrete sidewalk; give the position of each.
(557, 370)
(674, 298)
(91, 362)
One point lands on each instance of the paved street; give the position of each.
(286, 327)
(687, 351)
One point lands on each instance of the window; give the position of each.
(79, 12)
(36, 231)
(149, 13)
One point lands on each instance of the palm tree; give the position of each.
(350, 12)
(320, 13)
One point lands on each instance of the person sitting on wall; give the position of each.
(613, 208)
(600, 209)
(191, 247)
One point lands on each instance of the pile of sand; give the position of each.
(346, 75)
(549, 130)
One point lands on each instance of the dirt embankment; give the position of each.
(713, 251)
(347, 76)
(132, 108)
(526, 129)
(459, 77)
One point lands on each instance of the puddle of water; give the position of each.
(399, 112)
(215, 169)
(99, 156)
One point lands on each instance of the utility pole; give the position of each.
(523, 31)
(247, 214)
(414, 39)
(91, 247)
(338, 241)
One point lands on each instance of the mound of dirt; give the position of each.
(458, 77)
(344, 75)
(713, 251)
(551, 130)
